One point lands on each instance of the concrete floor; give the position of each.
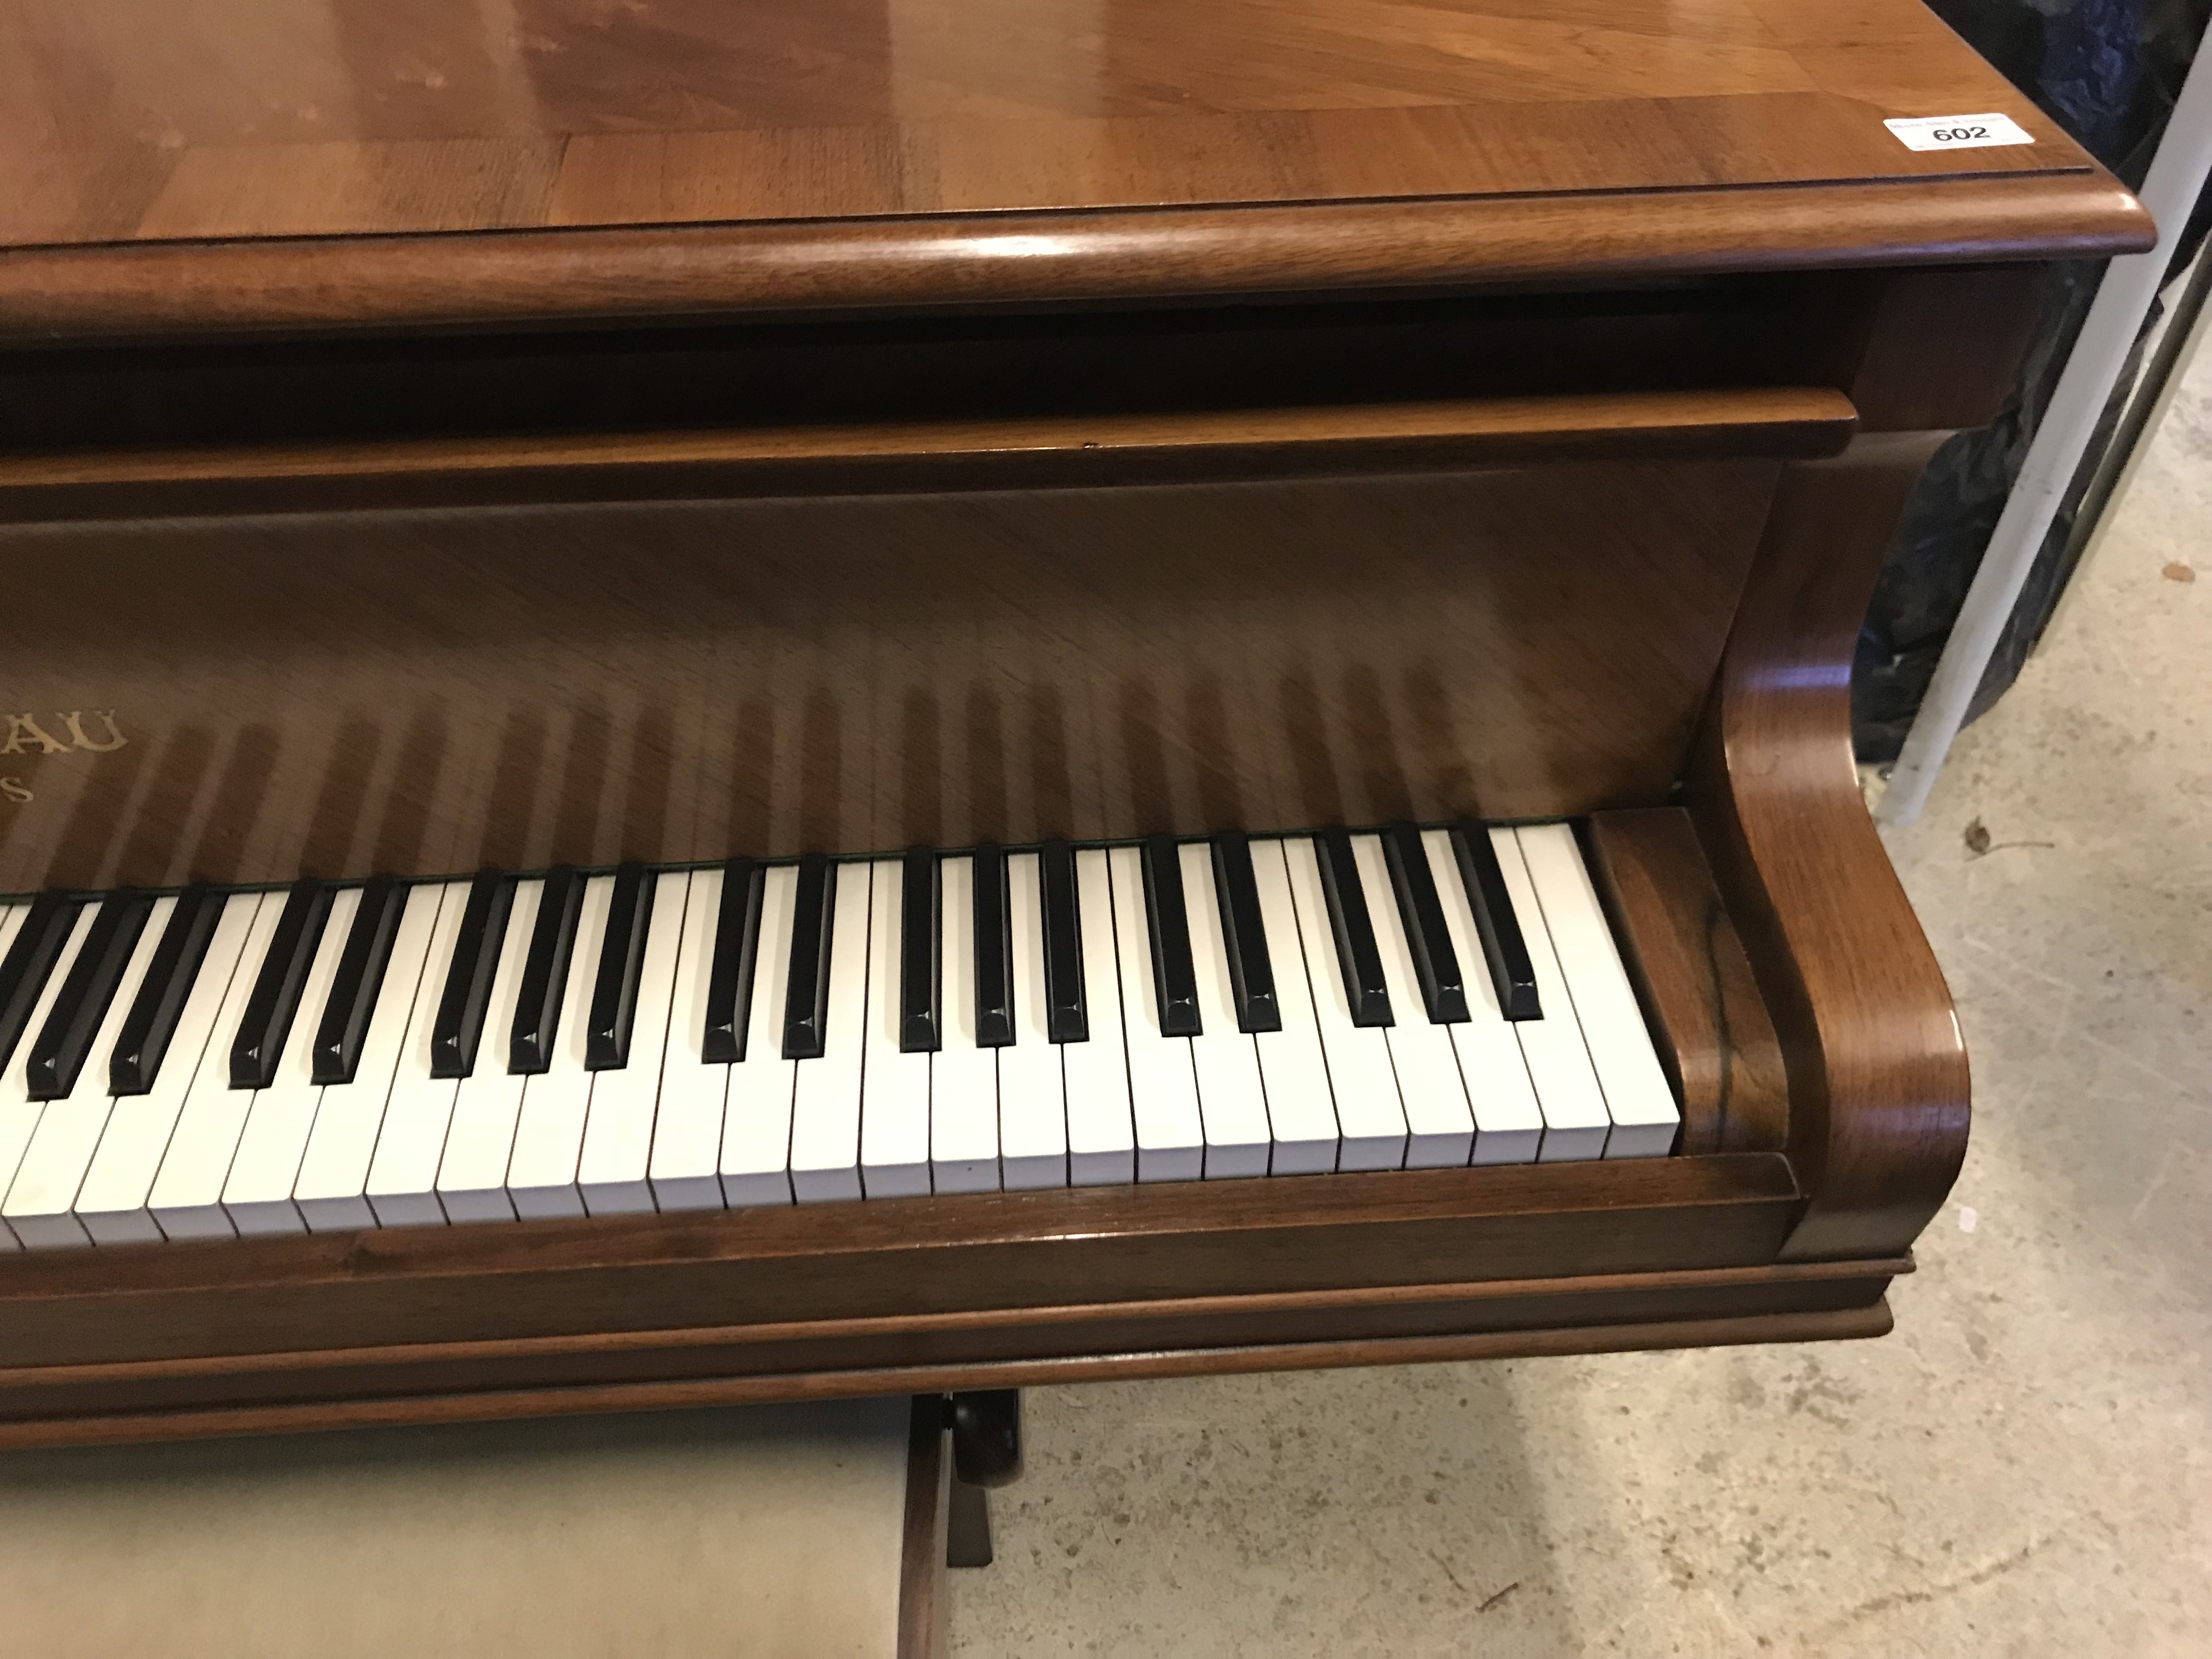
(2023, 1469)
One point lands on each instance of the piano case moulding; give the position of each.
(935, 571)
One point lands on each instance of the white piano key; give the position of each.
(1032, 1092)
(187, 1194)
(963, 1076)
(1301, 1111)
(825, 1104)
(258, 1192)
(614, 1171)
(1163, 1078)
(480, 1141)
(684, 1169)
(549, 1131)
(1638, 1098)
(1508, 1123)
(114, 1203)
(280, 1121)
(40, 1205)
(1370, 1118)
(1439, 1124)
(757, 1127)
(1575, 1123)
(894, 1084)
(402, 1173)
(18, 1112)
(1232, 1102)
(332, 1191)
(1101, 1139)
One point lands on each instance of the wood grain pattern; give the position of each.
(794, 1352)
(1166, 415)
(1922, 351)
(1878, 1079)
(921, 1605)
(790, 1303)
(1695, 985)
(895, 1261)
(1082, 451)
(1854, 1320)
(425, 692)
(349, 117)
(796, 1347)
(136, 290)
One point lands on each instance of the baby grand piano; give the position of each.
(714, 703)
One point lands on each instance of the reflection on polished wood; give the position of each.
(1085, 451)
(1519, 643)
(878, 422)
(127, 122)
(628, 276)
(1878, 1078)
(1711, 1029)
(351, 116)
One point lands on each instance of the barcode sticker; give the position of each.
(1957, 131)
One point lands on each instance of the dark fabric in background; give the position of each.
(2108, 71)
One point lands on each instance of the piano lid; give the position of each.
(890, 125)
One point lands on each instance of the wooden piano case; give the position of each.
(672, 490)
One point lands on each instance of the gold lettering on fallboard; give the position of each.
(13, 791)
(74, 721)
(26, 737)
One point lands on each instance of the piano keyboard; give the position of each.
(383, 1054)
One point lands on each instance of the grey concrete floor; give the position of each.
(2023, 1469)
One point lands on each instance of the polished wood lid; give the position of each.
(137, 122)
(130, 118)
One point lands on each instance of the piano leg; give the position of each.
(987, 1452)
(987, 1436)
(968, 1529)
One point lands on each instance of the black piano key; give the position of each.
(921, 955)
(360, 976)
(806, 993)
(1504, 951)
(1251, 974)
(1175, 975)
(994, 952)
(545, 974)
(283, 972)
(614, 991)
(730, 975)
(1436, 964)
(58, 1055)
(1357, 954)
(144, 1042)
(31, 956)
(1067, 1014)
(465, 1003)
